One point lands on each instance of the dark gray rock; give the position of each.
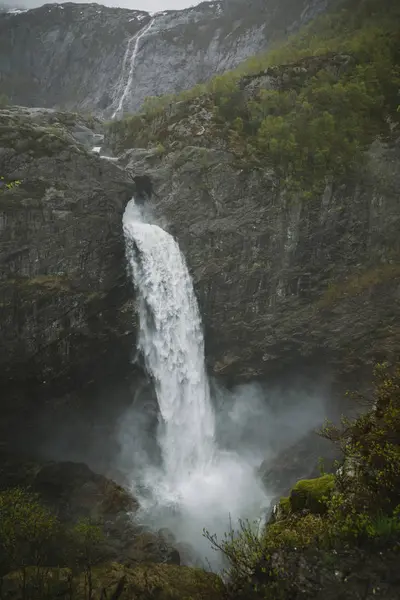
(281, 282)
(66, 310)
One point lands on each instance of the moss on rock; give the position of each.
(284, 507)
(312, 494)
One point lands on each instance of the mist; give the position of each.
(116, 432)
(254, 424)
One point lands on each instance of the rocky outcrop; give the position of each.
(80, 55)
(62, 256)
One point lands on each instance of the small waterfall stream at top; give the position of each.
(198, 484)
(126, 77)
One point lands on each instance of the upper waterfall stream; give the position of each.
(126, 78)
(198, 484)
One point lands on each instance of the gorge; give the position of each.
(190, 283)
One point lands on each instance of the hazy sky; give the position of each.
(148, 5)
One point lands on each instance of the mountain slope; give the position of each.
(72, 55)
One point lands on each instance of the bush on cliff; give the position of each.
(8, 185)
(33, 544)
(26, 530)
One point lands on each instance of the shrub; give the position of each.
(86, 538)
(27, 534)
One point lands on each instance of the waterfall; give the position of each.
(202, 484)
(131, 57)
(171, 341)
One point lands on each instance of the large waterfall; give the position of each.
(171, 341)
(198, 485)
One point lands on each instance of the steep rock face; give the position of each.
(61, 255)
(81, 56)
(281, 280)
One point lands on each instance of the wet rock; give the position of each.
(74, 491)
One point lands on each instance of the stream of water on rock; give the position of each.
(198, 484)
(126, 78)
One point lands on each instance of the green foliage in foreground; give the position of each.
(33, 543)
(43, 559)
(361, 506)
(26, 530)
(320, 119)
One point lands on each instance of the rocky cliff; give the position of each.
(282, 189)
(82, 55)
(285, 281)
(61, 259)
(283, 277)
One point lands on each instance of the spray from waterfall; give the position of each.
(197, 484)
(126, 78)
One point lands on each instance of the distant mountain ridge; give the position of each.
(71, 56)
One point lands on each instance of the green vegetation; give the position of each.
(42, 558)
(26, 137)
(326, 95)
(33, 543)
(312, 494)
(8, 185)
(357, 510)
(26, 530)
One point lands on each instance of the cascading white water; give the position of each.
(171, 341)
(123, 88)
(201, 483)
